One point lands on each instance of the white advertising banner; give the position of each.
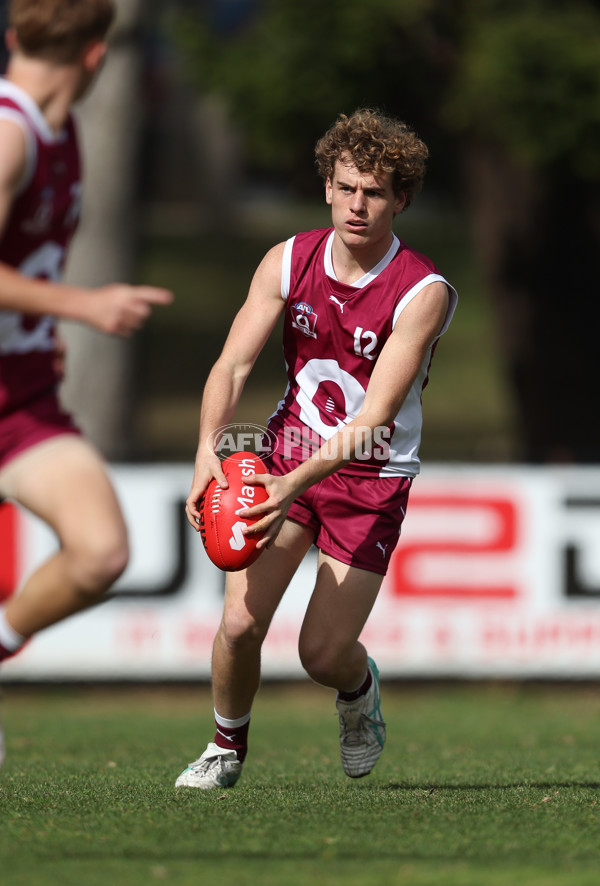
(497, 574)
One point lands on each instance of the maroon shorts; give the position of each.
(356, 520)
(34, 423)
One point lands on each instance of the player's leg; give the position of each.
(332, 655)
(64, 481)
(251, 598)
(339, 607)
(360, 520)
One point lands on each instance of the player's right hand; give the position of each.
(207, 466)
(120, 309)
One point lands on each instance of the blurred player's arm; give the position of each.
(249, 332)
(118, 309)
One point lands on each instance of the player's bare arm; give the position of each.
(250, 330)
(116, 309)
(393, 375)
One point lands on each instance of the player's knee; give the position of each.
(97, 565)
(239, 631)
(115, 563)
(321, 661)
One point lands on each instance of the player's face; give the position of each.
(362, 205)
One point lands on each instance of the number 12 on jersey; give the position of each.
(365, 343)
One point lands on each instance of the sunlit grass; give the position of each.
(496, 783)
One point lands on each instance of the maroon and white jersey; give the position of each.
(333, 335)
(42, 221)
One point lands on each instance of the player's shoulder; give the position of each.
(14, 150)
(306, 244)
(18, 106)
(12, 127)
(411, 258)
(15, 104)
(14, 119)
(304, 241)
(313, 237)
(273, 258)
(267, 277)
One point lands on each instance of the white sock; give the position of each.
(8, 636)
(231, 724)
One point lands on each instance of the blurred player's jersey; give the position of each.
(333, 335)
(43, 219)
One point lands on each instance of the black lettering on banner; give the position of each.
(575, 588)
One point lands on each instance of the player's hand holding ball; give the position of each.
(221, 525)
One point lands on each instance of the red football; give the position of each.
(220, 525)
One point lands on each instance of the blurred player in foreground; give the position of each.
(363, 314)
(56, 48)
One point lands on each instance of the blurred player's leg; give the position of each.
(64, 482)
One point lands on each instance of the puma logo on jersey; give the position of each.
(339, 303)
(382, 548)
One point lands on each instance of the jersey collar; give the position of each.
(31, 109)
(370, 275)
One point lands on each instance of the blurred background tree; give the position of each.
(525, 105)
(199, 144)
(507, 95)
(99, 385)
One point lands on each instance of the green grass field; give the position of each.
(479, 785)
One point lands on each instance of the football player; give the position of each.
(56, 49)
(363, 313)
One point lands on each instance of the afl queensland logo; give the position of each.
(304, 319)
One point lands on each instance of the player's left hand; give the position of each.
(273, 511)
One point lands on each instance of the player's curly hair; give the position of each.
(59, 29)
(375, 144)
